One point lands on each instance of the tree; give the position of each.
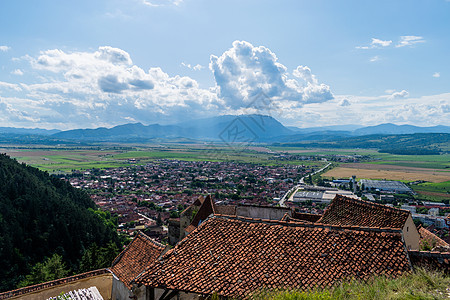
(159, 221)
(52, 268)
(96, 257)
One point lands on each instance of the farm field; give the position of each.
(60, 160)
(428, 190)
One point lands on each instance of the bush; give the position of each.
(421, 284)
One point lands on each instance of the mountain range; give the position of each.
(227, 128)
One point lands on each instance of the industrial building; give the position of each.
(385, 186)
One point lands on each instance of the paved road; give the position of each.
(295, 188)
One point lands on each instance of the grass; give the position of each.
(433, 191)
(60, 160)
(421, 284)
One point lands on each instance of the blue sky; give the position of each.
(82, 64)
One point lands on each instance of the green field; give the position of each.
(433, 191)
(60, 160)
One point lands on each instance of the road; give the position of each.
(301, 182)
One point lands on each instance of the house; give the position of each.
(235, 256)
(132, 261)
(354, 212)
(192, 216)
(177, 226)
(430, 241)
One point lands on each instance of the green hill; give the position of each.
(40, 216)
(406, 144)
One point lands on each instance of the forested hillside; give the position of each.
(41, 216)
(414, 144)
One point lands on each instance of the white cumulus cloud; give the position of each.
(4, 48)
(437, 75)
(104, 88)
(244, 71)
(396, 95)
(344, 102)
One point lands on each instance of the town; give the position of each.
(142, 195)
(145, 197)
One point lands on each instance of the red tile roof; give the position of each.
(208, 208)
(133, 260)
(306, 216)
(235, 256)
(349, 211)
(431, 239)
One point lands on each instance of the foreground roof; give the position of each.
(235, 256)
(349, 211)
(138, 255)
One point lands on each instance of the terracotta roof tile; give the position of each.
(432, 239)
(306, 216)
(235, 256)
(133, 260)
(349, 211)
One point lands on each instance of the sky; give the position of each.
(86, 64)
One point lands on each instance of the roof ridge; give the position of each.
(368, 203)
(311, 225)
(140, 233)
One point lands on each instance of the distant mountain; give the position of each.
(255, 127)
(227, 128)
(126, 131)
(389, 128)
(33, 131)
(221, 128)
(349, 127)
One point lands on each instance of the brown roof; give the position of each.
(349, 211)
(198, 202)
(431, 239)
(306, 216)
(138, 255)
(209, 208)
(234, 256)
(206, 209)
(288, 218)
